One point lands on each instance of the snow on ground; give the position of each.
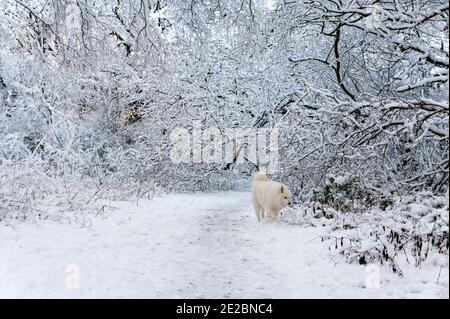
(191, 246)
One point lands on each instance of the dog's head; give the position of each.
(285, 196)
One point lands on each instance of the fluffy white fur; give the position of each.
(269, 197)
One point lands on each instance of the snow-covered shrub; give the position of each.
(408, 230)
(345, 194)
(412, 229)
(29, 194)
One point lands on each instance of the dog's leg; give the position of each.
(272, 214)
(258, 210)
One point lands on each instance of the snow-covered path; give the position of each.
(188, 246)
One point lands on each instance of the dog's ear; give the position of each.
(282, 189)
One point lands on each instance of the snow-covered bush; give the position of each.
(345, 194)
(413, 228)
(409, 230)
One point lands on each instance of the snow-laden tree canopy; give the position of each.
(91, 90)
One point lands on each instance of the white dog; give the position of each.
(269, 197)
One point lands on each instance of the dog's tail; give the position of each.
(259, 177)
